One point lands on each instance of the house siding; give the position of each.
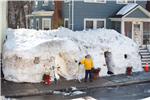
(40, 6)
(137, 14)
(84, 10)
(92, 10)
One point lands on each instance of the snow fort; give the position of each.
(28, 53)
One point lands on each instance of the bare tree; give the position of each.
(17, 11)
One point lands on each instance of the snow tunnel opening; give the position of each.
(109, 62)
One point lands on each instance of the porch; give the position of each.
(134, 23)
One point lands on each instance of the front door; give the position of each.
(137, 33)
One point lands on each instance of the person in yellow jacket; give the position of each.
(88, 65)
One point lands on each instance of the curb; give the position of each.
(119, 84)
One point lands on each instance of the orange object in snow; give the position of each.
(146, 68)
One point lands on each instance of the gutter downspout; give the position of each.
(72, 14)
(69, 15)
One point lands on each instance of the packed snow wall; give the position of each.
(28, 54)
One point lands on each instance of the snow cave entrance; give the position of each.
(109, 61)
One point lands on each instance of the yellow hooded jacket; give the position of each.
(88, 63)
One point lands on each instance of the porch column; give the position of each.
(122, 27)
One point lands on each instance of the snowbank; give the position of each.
(28, 54)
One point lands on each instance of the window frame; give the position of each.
(45, 3)
(47, 19)
(94, 22)
(127, 1)
(94, 1)
(66, 19)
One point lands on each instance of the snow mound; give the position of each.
(28, 54)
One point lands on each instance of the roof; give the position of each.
(41, 13)
(127, 9)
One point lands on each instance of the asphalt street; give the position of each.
(129, 92)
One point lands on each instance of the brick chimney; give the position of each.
(57, 17)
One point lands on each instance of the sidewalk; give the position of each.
(11, 89)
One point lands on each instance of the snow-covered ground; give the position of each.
(28, 54)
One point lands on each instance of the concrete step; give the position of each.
(144, 53)
(146, 56)
(145, 60)
(144, 63)
(143, 49)
(144, 66)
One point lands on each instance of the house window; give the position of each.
(45, 3)
(125, 1)
(37, 24)
(100, 24)
(94, 23)
(46, 23)
(95, 1)
(66, 23)
(89, 24)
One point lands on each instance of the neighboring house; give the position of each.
(41, 15)
(129, 17)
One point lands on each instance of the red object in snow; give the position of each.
(47, 79)
(146, 68)
(129, 71)
(96, 73)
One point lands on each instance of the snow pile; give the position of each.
(127, 8)
(4, 98)
(28, 54)
(147, 98)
